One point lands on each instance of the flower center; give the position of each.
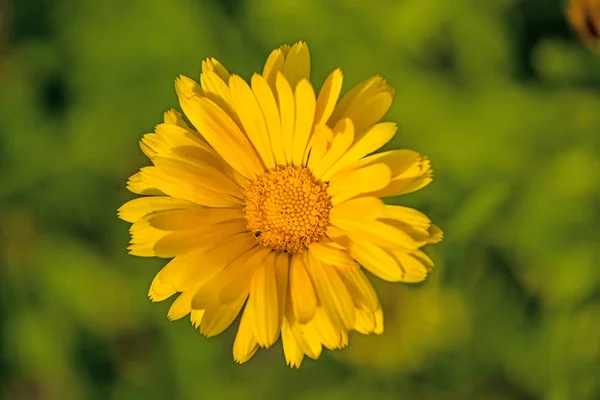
(287, 208)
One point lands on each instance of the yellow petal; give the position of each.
(173, 117)
(328, 96)
(307, 338)
(305, 113)
(282, 272)
(424, 259)
(208, 293)
(211, 82)
(332, 292)
(223, 134)
(236, 277)
(287, 113)
(410, 171)
(361, 181)
(380, 233)
(435, 234)
(371, 111)
(330, 334)
(180, 242)
(377, 261)
(331, 255)
(244, 345)
(362, 208)
(414, 270)
(151, 143)
(297, 64)
(175, 136)
(160, 290)
(302, 291)
(181, 306)
(252, 119)
(187, 88)
(266, 100)
(174, 220)
(360, 288)
(144, 238)
(191, 269)
(211, 64)
(367, 322)
(344, 136)
(419, 176)
(319, 145)
(363, 145)
(185, 163)
(196, 317)
(216, 89)
(217, 319)
(340, 237)
(264, 303)
(365, 104)
(410, 216)
(135, 209)
(178, 186)
(273, 66)
(135, 184)
(291, 350)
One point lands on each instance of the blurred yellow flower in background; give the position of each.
(584, 17)
(272, 205)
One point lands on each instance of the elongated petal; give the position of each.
(359, 286)
(291, 350)
(245, 344)
(223, 134)
(363, 145)
(319, 145)
(342, 140)
(305, 111)
(266, 100)
(160, 290)
(328, 96)
(181, 306)
(380, 233)
(192, 190)
(377, 261)
(236, 278)
(287, 113)
(217, 319)
(252, 119)
(273, 66)
(136, 209)
(192, 269)
(361, 181)
(331, 255)
(332, 292)
(362, 208)
(136, 185)
(264, 304)
(302, 292)
(297, 64)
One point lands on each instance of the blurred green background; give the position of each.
(499, 94)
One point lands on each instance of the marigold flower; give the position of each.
(271, 206)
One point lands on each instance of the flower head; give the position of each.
(271, 206)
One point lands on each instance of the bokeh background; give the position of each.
(500, 95)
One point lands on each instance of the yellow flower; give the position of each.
(272, 205)
(584, 17)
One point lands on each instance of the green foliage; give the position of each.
(498, 94)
